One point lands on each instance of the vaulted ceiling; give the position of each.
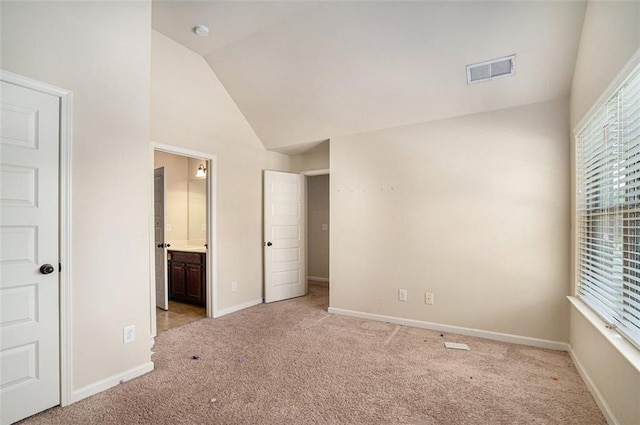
(303, 72)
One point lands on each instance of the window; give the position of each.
(608, 210)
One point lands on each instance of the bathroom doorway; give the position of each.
(183, 267)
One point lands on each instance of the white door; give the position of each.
(29, 276)
(159, 191)
(285, 274)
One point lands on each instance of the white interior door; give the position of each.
(159, 195)
(284, 236)
(29, 271)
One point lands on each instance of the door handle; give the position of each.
(269, 244)
(164, 245)
(47, 269)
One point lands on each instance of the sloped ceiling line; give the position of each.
(305, 72)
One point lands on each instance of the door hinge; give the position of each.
(59, 267)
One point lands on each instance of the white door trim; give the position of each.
(66, 117)
(212, 241)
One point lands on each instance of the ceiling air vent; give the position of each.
(496, 68)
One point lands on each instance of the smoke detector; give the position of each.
(489, 70)
(201, 30)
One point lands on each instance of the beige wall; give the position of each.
(615, 379)
(185, 202)
(474, 209)
(191, 109)
(317, 216)
(177, 191)
(610, 36)
(316, 160)
(100, 51)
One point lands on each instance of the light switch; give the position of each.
(168, 227)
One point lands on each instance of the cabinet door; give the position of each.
(178, 285)
(194, 282)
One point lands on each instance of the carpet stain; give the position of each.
(395, 331)
(318, 321)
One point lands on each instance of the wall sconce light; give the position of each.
(202, 172)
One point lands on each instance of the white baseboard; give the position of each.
(112, 381)
(318, 279)
(238, 307)
(496, 336)
(600, 401)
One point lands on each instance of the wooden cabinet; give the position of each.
(187, 277)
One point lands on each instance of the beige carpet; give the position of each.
(293, 363)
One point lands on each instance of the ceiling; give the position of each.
(304, 72)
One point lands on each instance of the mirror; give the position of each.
(197, 210)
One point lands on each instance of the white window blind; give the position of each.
(608, 209)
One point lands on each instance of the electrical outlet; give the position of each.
(234, 286)
(428, 298)
(402, 294)
(129, 334)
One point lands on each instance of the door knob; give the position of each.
(47, 269)
(164, 245)
(269, 244)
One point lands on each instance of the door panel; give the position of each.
(194, 281)
(29, 310)
(159, 192)
(178, 283)
(284, 236)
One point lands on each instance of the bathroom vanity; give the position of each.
(187, 275)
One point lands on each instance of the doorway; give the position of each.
(318, 232)
(184, 274)
(318, 228)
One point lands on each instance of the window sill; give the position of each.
(624, 347)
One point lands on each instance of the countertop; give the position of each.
(189, 248)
